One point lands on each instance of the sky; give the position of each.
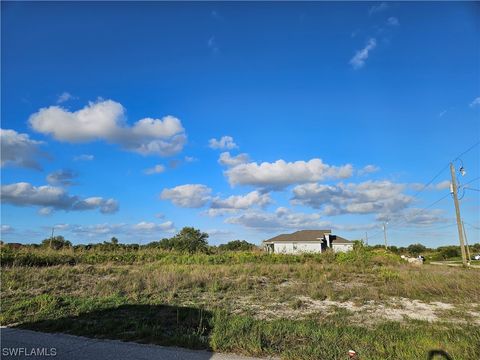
(242, 119)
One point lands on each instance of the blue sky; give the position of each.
(245, 120)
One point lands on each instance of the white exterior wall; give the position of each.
(296, 247)
(342, 247)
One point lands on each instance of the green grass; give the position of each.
(228, 302)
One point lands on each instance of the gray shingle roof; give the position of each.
(302, 235)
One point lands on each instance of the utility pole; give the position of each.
(457, 211)
(466, 243)
(51, 237)
(366, 237)
(385, 234)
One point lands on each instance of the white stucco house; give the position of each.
(303, 241)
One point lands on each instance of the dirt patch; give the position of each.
(370, 312)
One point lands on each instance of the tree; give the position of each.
(416, 249)
(56, 242)
(237, 245)
(190, 240)
(114, 241)
(449, 251)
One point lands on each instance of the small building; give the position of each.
(307, 241)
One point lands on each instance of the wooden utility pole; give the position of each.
(385, 234)
(457, 211)
(51, 237)
(466, 243)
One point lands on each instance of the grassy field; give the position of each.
(296, 307)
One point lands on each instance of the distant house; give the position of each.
(304, 241)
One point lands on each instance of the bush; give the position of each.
(56, 243)
(416, 249)
(237, 245)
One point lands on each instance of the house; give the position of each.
(313, 241)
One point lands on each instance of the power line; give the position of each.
(466, 151)
(463, 185)
(473, 226)
(425, 186)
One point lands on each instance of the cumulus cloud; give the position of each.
(19, 150)
(154, 227)
(63, 97)
(281, 219)
(157, 169)
(62, 177)
(188, 195)
(280, 174)
(358, 60)
(225, 143)
(105, 120)
(98, 229)
(242, 201)
(442, 185)
(51, 198)
(475, 102)
(228, 160)
(134, 232)
(84, 157)
(369, 169)
(380, 197)
(234, 203)
(424, 217)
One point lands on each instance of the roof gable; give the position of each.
(302, 235)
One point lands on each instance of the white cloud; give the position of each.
(106, 206)
(234, 203)
(84, 157)
(369, 169)
(475, 102)
(282, 219)
(51, 198)
(219, 233)
(19, 150)
(358, 60)
(393, 21)
(443, 185)
(62, 177)
(420, 217)
(157, 169)
(98, 229)
(105, 120)
(377, 8)
(65, 96)
(225, 143)
(7, 229)
(45, 211)
(188, 195)
(227, 160)
(280, 174)
(380, 197)
(61, 226)
(154, 227)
